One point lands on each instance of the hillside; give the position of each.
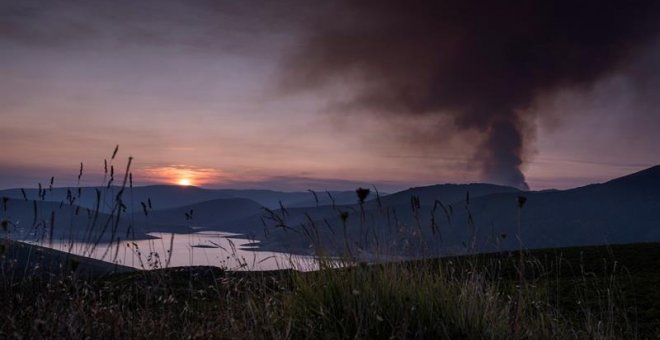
(19, 260)
(216, 214)
(623, 210)
(446, 193)
(43, 220)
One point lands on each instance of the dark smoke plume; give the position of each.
(482, 62)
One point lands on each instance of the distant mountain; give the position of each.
(446, 193)
(160, 196)
(623, 210)
(172, 196)
(44, 221)
(645, 182)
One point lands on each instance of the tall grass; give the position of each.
(428, 299)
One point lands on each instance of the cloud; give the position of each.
(202, 25)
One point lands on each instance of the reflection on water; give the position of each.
(207, 248)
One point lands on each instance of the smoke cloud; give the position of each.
(483, 63)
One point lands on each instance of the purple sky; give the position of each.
(190, 90)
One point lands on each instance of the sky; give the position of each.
(295, 95)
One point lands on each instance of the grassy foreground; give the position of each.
(597, 292)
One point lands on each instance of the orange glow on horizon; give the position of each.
(183, 175)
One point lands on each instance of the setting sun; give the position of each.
(183, 175)
(184, 182)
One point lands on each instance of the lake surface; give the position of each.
(207, 248)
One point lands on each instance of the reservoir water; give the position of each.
(206, 248)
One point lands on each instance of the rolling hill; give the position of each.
(173, 196)
(44, 221)
(620, 211)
